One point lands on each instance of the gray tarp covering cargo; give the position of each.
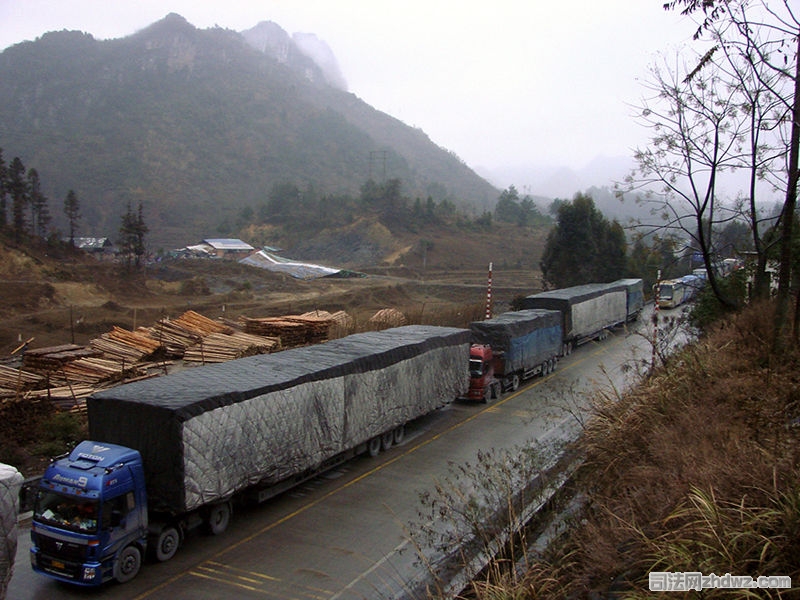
(527, 338)
(10, 485)
(207, 432)
(634, 289)
(586, 309)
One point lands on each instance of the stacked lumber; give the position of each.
(51, 358)
(183, 332)
(388, 317)
(221, 347)
(293, 330)
(125, 346)
(174, 338)
(19, 379)
(92, 371)
(197, 323)
(341, 324)
(70, 398)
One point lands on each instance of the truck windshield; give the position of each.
(665, 292)
(475, 367)
(77, 514)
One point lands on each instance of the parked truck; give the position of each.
(634, 290)
(587, 311)
(172, 453)
(510, 348)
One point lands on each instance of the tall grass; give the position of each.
(696, 470)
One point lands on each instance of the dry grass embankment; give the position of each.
(695, 470)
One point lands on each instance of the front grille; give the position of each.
(65, 551)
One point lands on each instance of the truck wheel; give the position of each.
(128, 564)
(386, 440)
(374, 446)
(219, 515)
(166, 544)
(497, 390)
(514, 383)
(399, 434)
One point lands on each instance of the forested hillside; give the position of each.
(198, 127)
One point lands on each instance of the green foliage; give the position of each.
(707, 309)
(60, 433)
(583, 247)
(204, 134)
(132, 232)
(511, 209)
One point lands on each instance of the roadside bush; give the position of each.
(59, 433)
(707, 308)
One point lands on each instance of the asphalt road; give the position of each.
(345, 535)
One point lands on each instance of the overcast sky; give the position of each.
(502, 83)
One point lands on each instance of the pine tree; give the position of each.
(3, 190)
(40, 213)
(72, 210)
(18, 189)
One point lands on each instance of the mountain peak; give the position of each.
(304, 52)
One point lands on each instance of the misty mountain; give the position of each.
(199, 125)
(596, 179)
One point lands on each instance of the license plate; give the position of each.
(57, 564)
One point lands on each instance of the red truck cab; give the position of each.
(483, 384)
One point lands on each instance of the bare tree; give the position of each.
(772, 41)
(698, 132)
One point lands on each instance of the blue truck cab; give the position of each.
(90, 516)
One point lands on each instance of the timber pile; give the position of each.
(341, 323)
(179, 334)
(197, 323)
(125, 346)
(92, 371)
(175, 339)
(388, 317)
(53, 357)
(18, 379)
(221, 347)
(293, 330)
(70, 398)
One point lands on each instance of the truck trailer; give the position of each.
(587, 311)
(171, 453)
(510, 348)
(634, 289)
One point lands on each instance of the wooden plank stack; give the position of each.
(388, 317)
(341, 323)
(179, 334)
(53, 357)
(126, 346)
(221, 347)
(293, 330)
(14, 380)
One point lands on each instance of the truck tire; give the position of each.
(166, 544)
(386, 440)
(374, 446)
(497, 390)
(399, 434)
(128, 564)
(219, 515)
(514, 382)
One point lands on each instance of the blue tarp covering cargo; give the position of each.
(526, 338)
